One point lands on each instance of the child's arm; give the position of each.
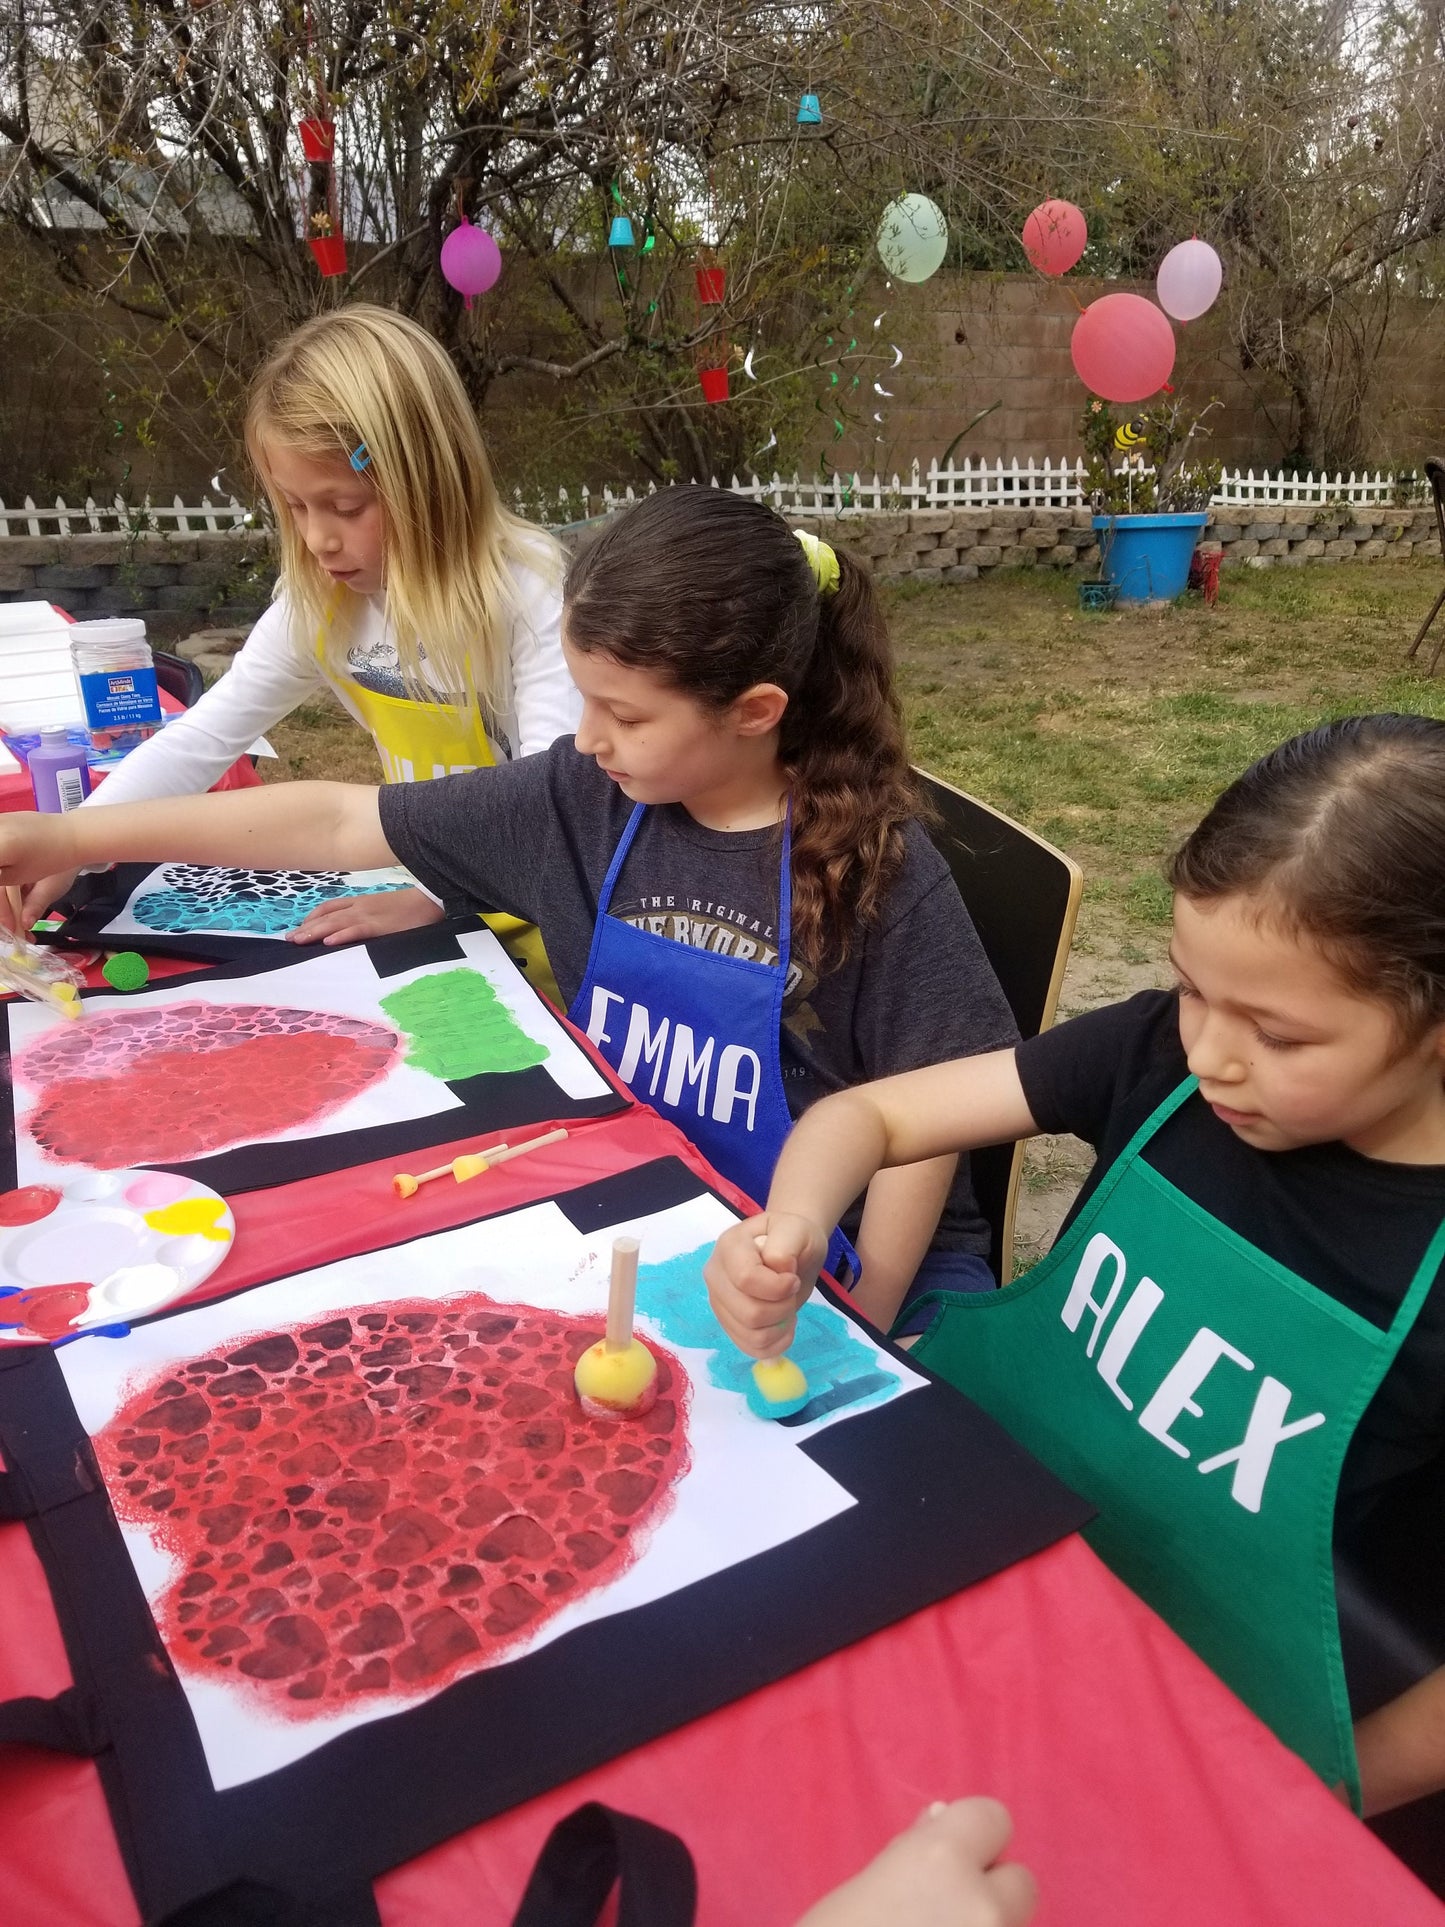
(1401, 1748)
(268, 678)
(761, 1271)
(301, 826)
(900, 1216)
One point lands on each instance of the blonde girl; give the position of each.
(1236, 1348)
(406, 587)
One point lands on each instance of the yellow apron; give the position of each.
(418, 740)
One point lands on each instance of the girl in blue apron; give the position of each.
(407, 590)
(1236, 1348)
(738, 901)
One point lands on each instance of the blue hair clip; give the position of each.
(360, 457)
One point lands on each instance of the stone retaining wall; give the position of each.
(171, 582)
(957, 545)
(177, 584)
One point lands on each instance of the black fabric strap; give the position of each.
(593, 1848)
(247, 1903)
(69, 1723)
(47, 1479)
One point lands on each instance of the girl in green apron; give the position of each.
(1236, 1348)
(406, 589)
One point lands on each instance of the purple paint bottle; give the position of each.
(59, 772)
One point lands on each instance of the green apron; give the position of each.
(1202, 1396)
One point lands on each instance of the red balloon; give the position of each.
(1054, 237)
(1123, 347)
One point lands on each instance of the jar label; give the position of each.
(116, 698)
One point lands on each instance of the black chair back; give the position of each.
(1023, 897)
(179, 678)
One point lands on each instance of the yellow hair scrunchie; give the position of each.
(821, 560)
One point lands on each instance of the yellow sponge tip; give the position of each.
(777, 1388)
(620, 1384)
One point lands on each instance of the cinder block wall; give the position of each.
(957, 545)
(174, 583)
(178, 583)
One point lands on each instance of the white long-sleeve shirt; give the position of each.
(277, 668)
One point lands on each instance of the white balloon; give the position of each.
(912, 237)
(1189, 279)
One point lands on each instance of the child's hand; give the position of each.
(760, 1272)
(940, 1873)
(350, 919)
(40, 896)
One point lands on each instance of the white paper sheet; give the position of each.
(748, 1487)
(187, 899)
(343, 983)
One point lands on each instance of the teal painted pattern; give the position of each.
(840, 1368)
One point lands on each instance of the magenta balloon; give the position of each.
(1054, 237)
(1188, 280)
(471, 260)
(1123, 348)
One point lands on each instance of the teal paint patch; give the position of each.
(840, 1368)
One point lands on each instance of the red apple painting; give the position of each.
(371, 1506)
(178, 1081)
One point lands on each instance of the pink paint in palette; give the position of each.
(104, 1248)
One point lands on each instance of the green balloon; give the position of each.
(912, 238)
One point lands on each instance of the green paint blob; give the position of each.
(459, 1027)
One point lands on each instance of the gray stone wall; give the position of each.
(958, 545)
(172, 582)
(180, 583)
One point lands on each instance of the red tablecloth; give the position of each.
(1143, 1791)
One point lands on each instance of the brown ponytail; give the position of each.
(714, 593)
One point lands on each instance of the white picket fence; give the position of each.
(120, 517)
(966, 485)
(983, 485)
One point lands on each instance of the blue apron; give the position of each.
(696, 1035)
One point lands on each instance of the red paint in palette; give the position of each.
(375, 1505)
(46, 1310)
(28, 1205)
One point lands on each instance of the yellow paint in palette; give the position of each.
(190, 1218)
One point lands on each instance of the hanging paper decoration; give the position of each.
(711, 284)
(1122, 348)
(912, 237)
(471, 260)
(714, 384)
(1189, 279)
(810, 114)
(619, 235)
(318, 138)
(1055, 236)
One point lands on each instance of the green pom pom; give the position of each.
(126, 970)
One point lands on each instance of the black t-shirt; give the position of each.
(1352, 1226)
(535, 838)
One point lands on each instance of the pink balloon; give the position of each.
(1188, 280)
(1123, 348)
(1055, 236)
(471, 260)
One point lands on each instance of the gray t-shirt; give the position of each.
(535, 838)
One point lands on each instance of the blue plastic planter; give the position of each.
(1146, 557)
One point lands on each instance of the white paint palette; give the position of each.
(106, 1247)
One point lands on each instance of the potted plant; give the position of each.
(1150, 493)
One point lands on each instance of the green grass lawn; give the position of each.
(1110, 734)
